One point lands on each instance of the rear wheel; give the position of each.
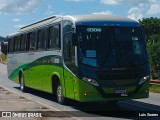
(22, 84)
(60, 97)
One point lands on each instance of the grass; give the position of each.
(154, 88)
(3, 57)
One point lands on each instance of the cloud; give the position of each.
(18, 6)
(154, 9)
(136, 13)
(147, 8)
(77, 0)
(16, 20)
(132, 2)
(74, 0)
(110, 2)
(104, 12)
(138, 8)
(49, 11)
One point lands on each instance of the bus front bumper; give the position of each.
(90, 93)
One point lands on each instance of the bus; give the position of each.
(87, 58)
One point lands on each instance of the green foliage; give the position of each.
(154, 58)
(151, 28)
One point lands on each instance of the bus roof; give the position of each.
(104, 19)
(100, 17)
(40, 23)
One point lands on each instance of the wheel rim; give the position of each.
(22, 83)
(59, 94)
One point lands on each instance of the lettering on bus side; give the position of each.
(51, 60)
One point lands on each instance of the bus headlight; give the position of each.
(142, 80)
(91, 81)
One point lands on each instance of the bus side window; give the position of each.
(23, 42)
(41, 41)
(10, 47)
(56, 32)
(32, 41)
(54, 37)
(16, 43)
(50, 37)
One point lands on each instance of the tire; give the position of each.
(22, 84)
(60, 97)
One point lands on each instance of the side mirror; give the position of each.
(74, 39)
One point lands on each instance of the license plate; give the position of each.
(120, 91)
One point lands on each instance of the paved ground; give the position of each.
(13, 102)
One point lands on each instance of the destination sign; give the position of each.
(94, 29)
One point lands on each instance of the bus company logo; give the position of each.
(118, 68)
(6, 114)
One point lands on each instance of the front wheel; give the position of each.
(60, 97)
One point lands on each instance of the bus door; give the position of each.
(70, 67)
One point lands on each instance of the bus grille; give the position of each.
(117, 76)
(118, 83)
(118, 79)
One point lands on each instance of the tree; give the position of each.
(151, 28)
(154, 56)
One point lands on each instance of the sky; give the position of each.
(15, 14)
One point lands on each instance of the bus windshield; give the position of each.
(102, 46)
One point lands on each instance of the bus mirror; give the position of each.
(74, 39)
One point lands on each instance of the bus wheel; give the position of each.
(60, 97)
(22, 84)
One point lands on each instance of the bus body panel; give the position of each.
(39, 66)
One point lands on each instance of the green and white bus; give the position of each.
(87, 58)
